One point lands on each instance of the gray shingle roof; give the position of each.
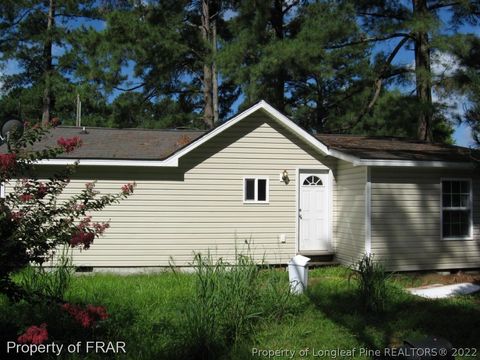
(148, 144)
(392, 148)
(122, 144)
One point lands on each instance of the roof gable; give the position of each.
(266, 109)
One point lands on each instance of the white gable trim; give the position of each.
(268, 110)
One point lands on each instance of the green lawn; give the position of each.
(147, 312)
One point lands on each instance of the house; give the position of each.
(261, 182)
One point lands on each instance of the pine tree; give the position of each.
(286, 53)
(38, 36)
(466, 80)
(417, 24)
(170, 45)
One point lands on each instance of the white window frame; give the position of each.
(470, 207)
(2, 190)
(267, 190)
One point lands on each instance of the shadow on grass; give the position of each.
(405, 316)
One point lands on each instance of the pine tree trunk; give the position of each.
(278, 83)
(47, 53)
(214, 74)
(208, 112)
(423, 75)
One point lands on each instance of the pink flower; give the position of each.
(127, 189)
(86, 317)
(16, 216)
(34, 335)
(69, 145)
(86, 232)
(97, 311)
(78, 207)
(85, 222)
(100, 227)
(7, 162)
(26, 197)
(82, 239)
(42, 190)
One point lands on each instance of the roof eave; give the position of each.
(110, 162)
(356, 161)
(414, 163)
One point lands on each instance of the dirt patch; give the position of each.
(434, 278)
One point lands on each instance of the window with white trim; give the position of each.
(456, 209)
(2, 190)
(255, 190)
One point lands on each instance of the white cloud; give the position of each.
(443, 66)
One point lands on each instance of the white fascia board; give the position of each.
(399, 163)
(410, 163)
(343, 156)
(289, 124)
(108, 162)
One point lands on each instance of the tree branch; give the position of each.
(288, 7)
(442, 4)
(382, 15)
(407, 36)
(130, 89)
(378, 83)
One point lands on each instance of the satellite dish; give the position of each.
(11, 128)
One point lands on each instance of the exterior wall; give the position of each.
(199, 207)
(406, 229)
(349, 228)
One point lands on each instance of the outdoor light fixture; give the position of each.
(285, 177)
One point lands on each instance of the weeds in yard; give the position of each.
(51, 283)
(372, 283)
(229, 300)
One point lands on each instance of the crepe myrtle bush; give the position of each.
(33, 221)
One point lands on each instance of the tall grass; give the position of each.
(372, 283)
(229, 300)
(52, 282)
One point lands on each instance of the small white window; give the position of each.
(2, 190)
(255, 190)
(456, 209)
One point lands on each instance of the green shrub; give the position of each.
(372, 283)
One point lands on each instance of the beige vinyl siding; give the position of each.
(199, 207)
(349, 208)
(406, 220)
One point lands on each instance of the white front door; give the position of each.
(314, 211)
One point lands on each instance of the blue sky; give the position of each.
(462, 135)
